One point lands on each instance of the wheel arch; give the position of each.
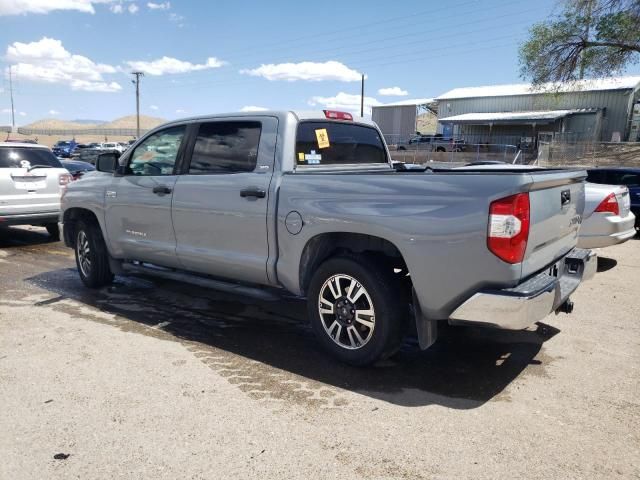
(71, 217)
(326, 245)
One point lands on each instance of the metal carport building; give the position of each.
(594, 109)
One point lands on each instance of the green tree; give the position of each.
(588, 38)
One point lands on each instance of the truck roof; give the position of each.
(299, 114)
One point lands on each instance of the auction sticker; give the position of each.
(323, 138)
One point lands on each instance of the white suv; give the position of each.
(31, 182)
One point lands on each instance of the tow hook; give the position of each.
(566, 307)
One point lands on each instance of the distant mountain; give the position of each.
(127, 122)
(83, 121)
(146, 122)
(57, 124)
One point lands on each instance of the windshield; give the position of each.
(23, 157)
(334, 143)
(63, 144)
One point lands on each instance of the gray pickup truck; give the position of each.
(309, 203)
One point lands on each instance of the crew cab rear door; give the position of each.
(221, 199)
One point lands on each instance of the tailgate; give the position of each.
(557, 204)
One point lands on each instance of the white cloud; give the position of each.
(179, 19)
(22, 7)
(180, 110)
(393, 92)
(133, 8)
(48, 61)
(344, 101)
(159, 6)
(54, 112)
(6, 110)
(168, 65)
(22, 114)
(117, 8)
(253, 108)
(154, 107)
(310, 71)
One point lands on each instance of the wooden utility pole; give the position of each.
(13, 111)
(362, 97)
(137, 82)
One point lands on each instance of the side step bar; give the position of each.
(199, 280)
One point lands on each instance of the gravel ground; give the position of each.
(155, 379)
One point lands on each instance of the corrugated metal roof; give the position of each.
(498, 117)
(612, 83)
(414, 101)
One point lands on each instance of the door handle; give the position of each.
(253, 192)
(161, 189)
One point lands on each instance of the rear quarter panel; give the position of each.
(437, 221)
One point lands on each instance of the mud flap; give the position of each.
(427, 329)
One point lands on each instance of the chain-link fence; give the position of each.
(70, 132)
(554, 153)
(448, 152)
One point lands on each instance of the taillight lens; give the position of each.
(64, 179)
(337, 115)
(609, 204)
(509, 227)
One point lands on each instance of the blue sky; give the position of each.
(72, 58)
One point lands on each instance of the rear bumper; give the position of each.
(30, 218)
(531, 301)
(603, 230)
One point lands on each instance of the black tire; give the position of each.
(400, 149)
(389, 307)
(441, 149)
(53, 230)
(89, 244)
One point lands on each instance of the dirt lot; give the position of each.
(154, 379)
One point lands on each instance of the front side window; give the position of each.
(333, 143)
(157, 154)
(226, 147)
(24, 157)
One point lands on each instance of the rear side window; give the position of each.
(226, 147)
(333, 143)
(24, 157)
(624, 178)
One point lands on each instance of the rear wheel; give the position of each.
(92, 258)
(357, 309)
(53, 230)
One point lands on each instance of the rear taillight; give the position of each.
(509, 227)
(64, 179)
(609, 204)
(335, 115)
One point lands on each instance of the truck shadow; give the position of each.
(464, 369)
(12, 237)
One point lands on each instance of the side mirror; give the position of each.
(107, 162)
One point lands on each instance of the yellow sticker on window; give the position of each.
(323, 138)
(301, 156)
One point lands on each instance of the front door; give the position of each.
(138, 204)
(220, 202)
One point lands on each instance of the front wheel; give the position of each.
(92, 258)
(357, 310)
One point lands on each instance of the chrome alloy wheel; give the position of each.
(346, 311)
(83, 251)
